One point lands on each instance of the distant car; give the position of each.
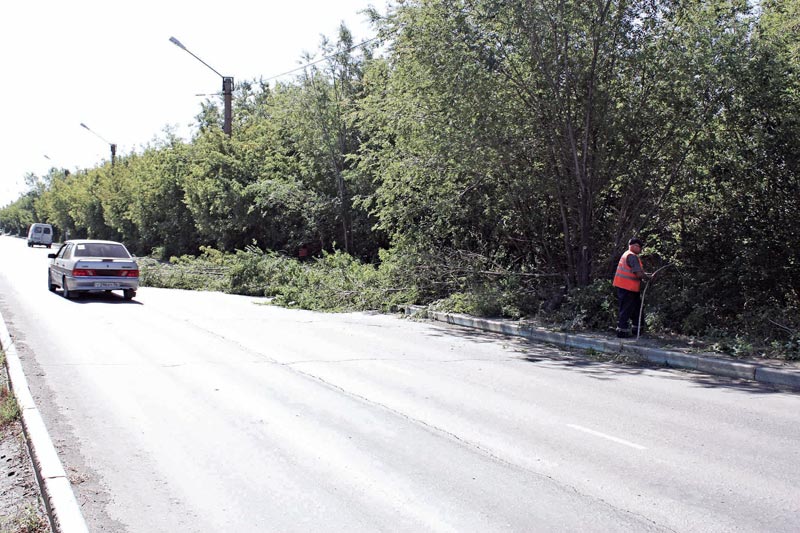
(92, 266)
(41, 234)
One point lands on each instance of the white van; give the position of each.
(41, 234)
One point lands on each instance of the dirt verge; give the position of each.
(21, 506)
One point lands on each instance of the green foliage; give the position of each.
(788, 349)
(209, 271)
(590, 307)
(24, 519)
(458, 302)
(9, 409)
(17, 218)
(491, 298)
(157, 209)
(334, 282)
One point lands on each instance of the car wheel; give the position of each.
(65, 291)
(128, 294)
(50, 281)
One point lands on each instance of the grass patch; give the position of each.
(9, 408)
(24, 520)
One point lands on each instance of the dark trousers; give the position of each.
(630, 303)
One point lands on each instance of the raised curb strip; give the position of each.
(62, 508)
(711, 365)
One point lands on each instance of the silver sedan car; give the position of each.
(82, 266)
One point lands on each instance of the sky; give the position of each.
(109, 64)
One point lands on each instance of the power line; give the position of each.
(321, 59)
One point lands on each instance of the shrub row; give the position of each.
(337, 282)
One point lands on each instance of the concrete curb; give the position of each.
(62, 508)
(786, 379)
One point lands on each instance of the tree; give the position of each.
(734, 226)
(329, 136)
(158, 207)
(509, 127)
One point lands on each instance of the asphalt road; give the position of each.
(191, 411)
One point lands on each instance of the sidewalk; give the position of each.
(778, 374)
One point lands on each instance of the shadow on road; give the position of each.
(100, 298)
(600, 366)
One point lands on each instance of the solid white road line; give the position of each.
(609, 437)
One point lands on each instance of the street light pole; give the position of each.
(227, 97)
(227, 87)
(66, 171)
(112, 145)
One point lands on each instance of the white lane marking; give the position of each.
(609, 437)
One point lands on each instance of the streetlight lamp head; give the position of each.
(176, 42)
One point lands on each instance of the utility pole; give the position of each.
(227, 88)
(112, 145)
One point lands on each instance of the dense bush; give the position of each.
(591, 307)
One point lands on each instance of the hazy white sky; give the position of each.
(109, 64)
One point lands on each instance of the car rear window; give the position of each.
(101, 250)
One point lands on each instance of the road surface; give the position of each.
(197, 412)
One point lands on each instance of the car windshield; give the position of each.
(95, 249)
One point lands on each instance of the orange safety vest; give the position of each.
(625, 277)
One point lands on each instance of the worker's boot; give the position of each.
(622, 333)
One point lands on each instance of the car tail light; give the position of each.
(82, 272)
(129, 273)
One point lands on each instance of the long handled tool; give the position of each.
(641, 307)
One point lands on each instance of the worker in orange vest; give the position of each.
(628, 282)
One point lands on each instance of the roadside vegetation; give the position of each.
(27, 519)
(9, 410)
(337, 282)
(491, 158)
(333, 282)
